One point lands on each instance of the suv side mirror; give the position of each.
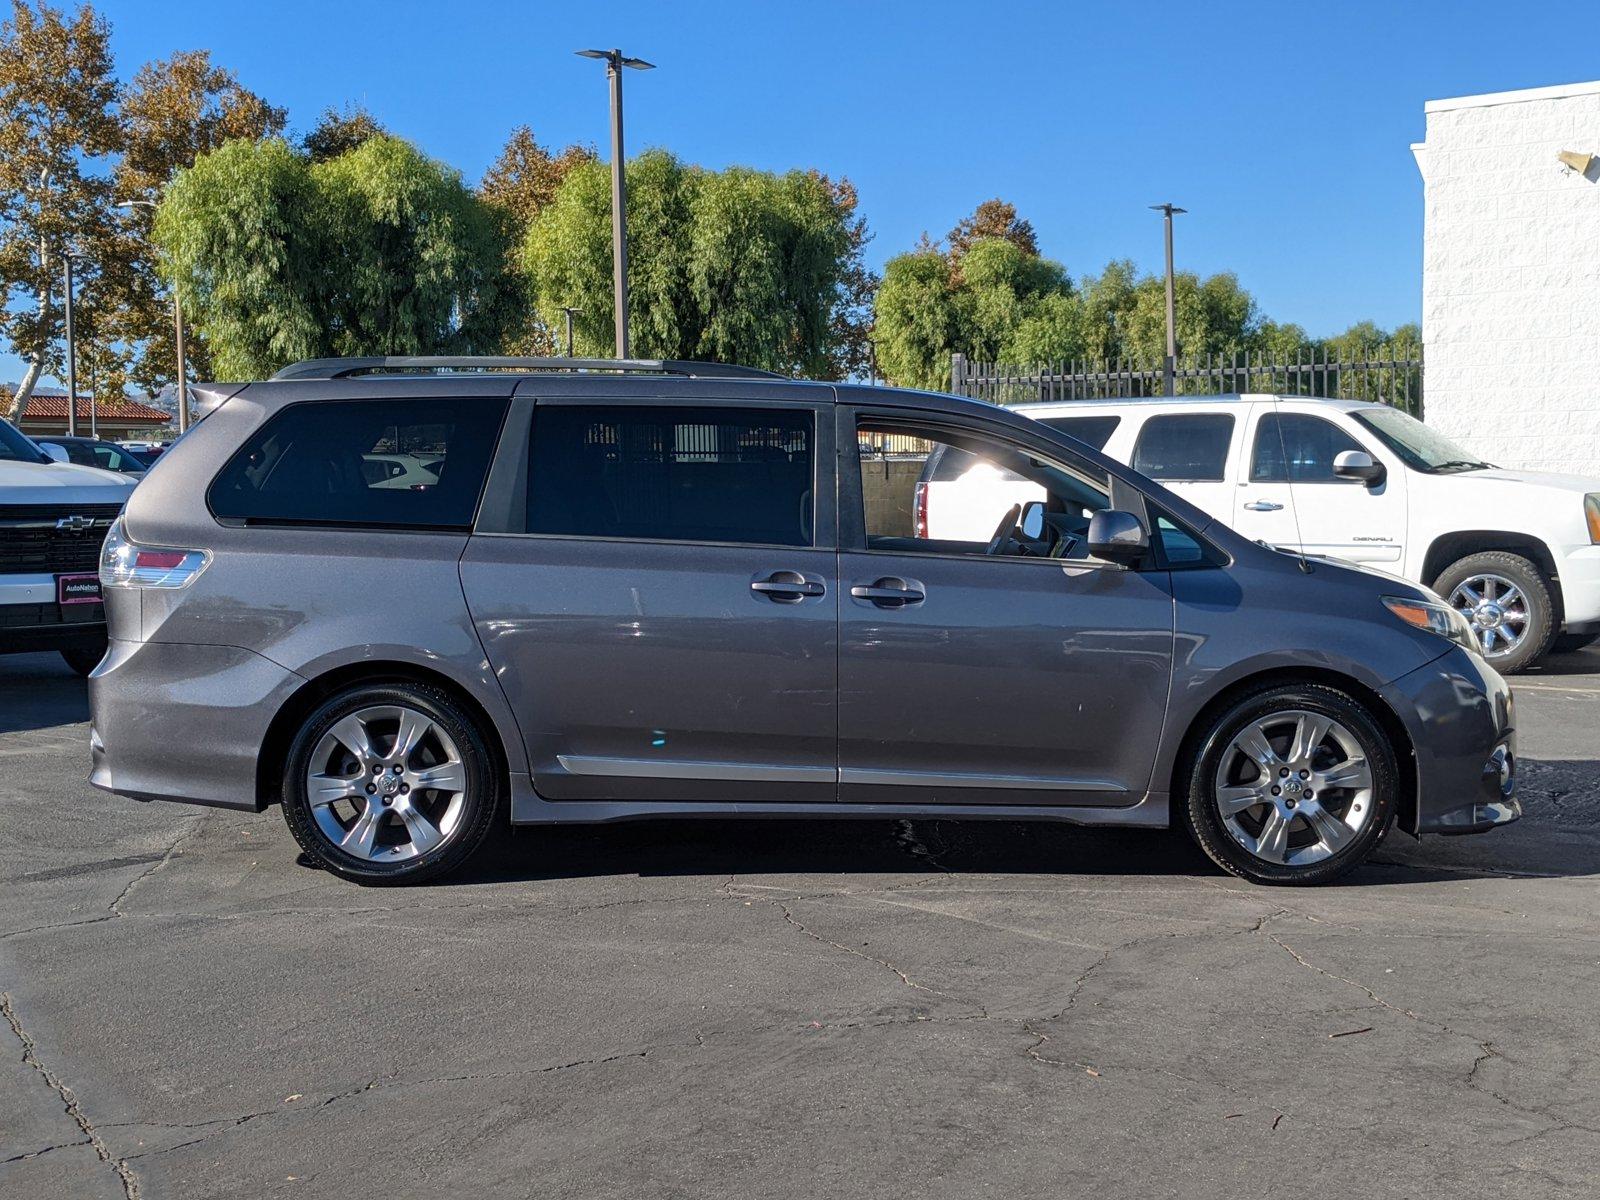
(1358, 464)
(1031, 523)
(1118, 537)
(54, 452)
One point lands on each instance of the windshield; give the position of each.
(1423, 449)
(16, 448)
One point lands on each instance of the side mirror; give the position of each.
(1031, 523)
(1118, 537)
(54, 452)
(1358, 464)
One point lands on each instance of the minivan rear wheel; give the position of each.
(1290, 784)
(390, 783)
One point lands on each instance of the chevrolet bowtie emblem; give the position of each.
(75, 523)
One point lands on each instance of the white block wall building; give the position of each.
(1511, 276)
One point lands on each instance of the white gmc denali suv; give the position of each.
(1517, 552)
(53, 518)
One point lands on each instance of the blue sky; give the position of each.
(1284, 128)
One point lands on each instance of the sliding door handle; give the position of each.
(788, 587)
(890, 592)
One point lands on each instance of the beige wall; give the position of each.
(886, 488)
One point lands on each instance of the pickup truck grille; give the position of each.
(51, 538)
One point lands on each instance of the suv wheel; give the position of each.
(390, 783)
(1291, 784)
(1506, 600)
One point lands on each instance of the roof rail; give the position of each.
(347, 368)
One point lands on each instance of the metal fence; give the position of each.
(1313, 371)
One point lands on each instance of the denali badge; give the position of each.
(76, 523)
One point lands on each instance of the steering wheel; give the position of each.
(1004, 530)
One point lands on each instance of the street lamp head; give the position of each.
(1171, 210)
(135, 204)
(615, 59)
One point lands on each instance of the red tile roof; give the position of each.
(55, 407)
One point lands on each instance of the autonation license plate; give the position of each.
(78, 589)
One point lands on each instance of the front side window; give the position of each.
(1184, 446)
(978, 486)
(385, 463)
(709, 474)
(1296, 448)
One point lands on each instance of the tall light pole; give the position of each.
(72, 351)
(1169, 372)
(615, 61)
(177, 327)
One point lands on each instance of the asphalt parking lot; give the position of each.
(738, 1009)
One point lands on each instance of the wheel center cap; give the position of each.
(1291, 787)
(1488, 616)
(389, 784)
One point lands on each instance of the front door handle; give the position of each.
(890, 592)
(1263, 506)
(788, 587)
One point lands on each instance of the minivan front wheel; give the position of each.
(389, 783)
(1292, 784)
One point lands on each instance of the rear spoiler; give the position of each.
(206, 398)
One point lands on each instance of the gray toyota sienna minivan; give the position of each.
(412, 599)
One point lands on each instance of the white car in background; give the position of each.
(1517, 552)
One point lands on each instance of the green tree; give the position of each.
(990, 297)
(244, 235)
(377, 251)
(57, 125)
(736, 265)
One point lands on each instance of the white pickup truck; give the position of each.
(1517, 552)
(53, 518)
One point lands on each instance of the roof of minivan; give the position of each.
(1034, 408)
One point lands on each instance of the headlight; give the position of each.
(1591, 514)
(1435, 617)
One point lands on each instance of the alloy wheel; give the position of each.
(386, 784)
(1294, 788)
(1496, 609)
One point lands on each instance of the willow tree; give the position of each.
(379, 250)
(735, 266)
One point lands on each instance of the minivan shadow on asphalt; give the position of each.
(1558, 836)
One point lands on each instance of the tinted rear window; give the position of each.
(1184, 446)
(674, 474)
(391, 463)
(1095, 431)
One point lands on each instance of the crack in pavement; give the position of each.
(1486, 1049)
(16, 1158)
(30, 1056)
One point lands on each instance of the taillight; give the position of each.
(919, 510)
(126, 564)
(1591, 515)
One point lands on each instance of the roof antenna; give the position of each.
(1288, 479)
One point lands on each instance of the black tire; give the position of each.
(1571, 643)
(1198, 771)
(481, 797)
(1541, 628)
(83, 661)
